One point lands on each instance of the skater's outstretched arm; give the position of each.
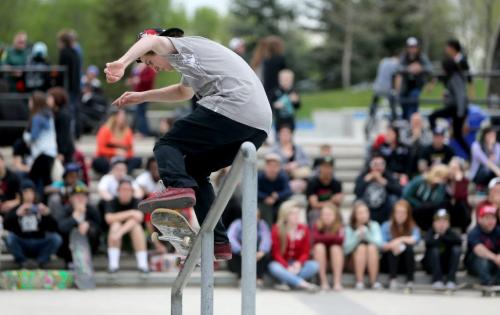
(173, 93)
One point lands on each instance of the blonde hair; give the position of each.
(436, 172)
(285, 209)
(337, 222)
(116, 130)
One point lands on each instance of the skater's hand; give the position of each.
(83, 228)
(114, 71)
(129, 98)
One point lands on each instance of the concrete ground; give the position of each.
(227, 301)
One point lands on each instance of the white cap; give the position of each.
(39, 48)
(493, 182)
(412, 41)
(236, 42)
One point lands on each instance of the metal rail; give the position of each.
(244, 165)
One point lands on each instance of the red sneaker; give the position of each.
(222, 251)
(170, 198)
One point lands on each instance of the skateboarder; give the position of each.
(233, 108)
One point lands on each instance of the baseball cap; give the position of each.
(441, 214)
(71, 167)
(93, 69)
(272, 157)
(411, 42)
(326, 160)
(27, 184)
(495, 181)
(487, 209)
(169, 32)
(236, 42)
(80, 189)
(439, 131)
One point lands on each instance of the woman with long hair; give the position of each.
(399, 235)
(290, 250)
(328, 238)
(259, 55)
(115, 138)
(274, 62)
(363, 240)
(485, 163)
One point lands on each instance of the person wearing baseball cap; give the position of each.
(414, 69)
(483, 243)
(493, 196)
(442, 251)
(59, 191)
(233, 109)
(438, 152)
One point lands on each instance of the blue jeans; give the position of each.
(487, 271)
(37, 248)
(140, 120)
(309, 269)
(409, 101)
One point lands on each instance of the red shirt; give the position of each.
(146, 80)
(328, 238)
(297, 246)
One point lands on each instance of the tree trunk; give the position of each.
(347, 50)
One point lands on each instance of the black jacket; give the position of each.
(69, 57)
(65, 145)
(445, 241)
(66, 222)
(29, 226)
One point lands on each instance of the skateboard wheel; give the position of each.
(154, 236)
(186, 241)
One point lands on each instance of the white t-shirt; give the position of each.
(146, 181)
(109, 184)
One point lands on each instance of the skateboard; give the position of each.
(489, 291)
(174, 228)
(82, 260)
(429, 288)
(36, 279)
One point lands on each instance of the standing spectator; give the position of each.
(328, 239)
(483, 254)
(436, 153)
(33, 230)
(290, 250)
(414, 68)
(273, 63)
(238, 45)
(378, 189)
(323, 189)
(9, 188)
(263, 247)
(260, 53)
(400, 235)
(383, 87)
(38, 80)
(458, 189)
(143, 79)
(42, 141)
(149, 180)
(285, 100)
(78, 214)
(115, 139)
(273, 188)
(442, 251)
(108, 185)
(123, 218)
(70, 58)
(57, 99)
(363, 240)
(455, 79)
(90, 78)
(426, 194)
(17, 55)
(396, 155)
(485, 157)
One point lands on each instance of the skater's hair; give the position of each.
(285, 209)
(337, 222)
(60, 96)
(357, 205)
(407, 227)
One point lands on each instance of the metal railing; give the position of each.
(244, 167)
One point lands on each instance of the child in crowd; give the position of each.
(400, 234)
(285, 100)
(290, 250)
(363, 240)
(328, 238)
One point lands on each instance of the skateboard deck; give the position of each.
(174, 228)
(82, 260)
(36, 279)
(429, 288)
(488, 290)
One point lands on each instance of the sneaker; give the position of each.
(393, 285)
(359, 286)
(143, 271)
(282, 287)
(170, 198)
(438, 285)
(222, 251)
(377, 286)
(30, 265)
(311, 287)
(409, 285)
(450, 285)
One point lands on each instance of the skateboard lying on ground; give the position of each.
(174, 228)
(488, 290)
(429, 288)
(82, 260)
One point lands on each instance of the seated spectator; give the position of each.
(115, 139)
(362, 242)
(290, 263)
(395, 154)
(493, 197)
(483, 250)
(90, 77)
(323, 188)
(41, 138)
(400, 235)
(378, 189)
(458, 190)
(294, 159)
(416, 137)
(273, 188)
(442, 251)
(123, 218)
(426, 194)
(436, 153)
(9, 188)
(33, 230)
(485, 163)
(328, 239)
(78, 214)
(60, 190)
(57, 99)
(108, 185)
(285, 100)
(325, 150)
(263, 247)
(149, 180)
